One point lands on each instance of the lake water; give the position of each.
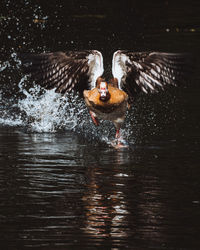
(62, 186)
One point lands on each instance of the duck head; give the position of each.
(103, 90)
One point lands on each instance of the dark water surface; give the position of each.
(61, 184)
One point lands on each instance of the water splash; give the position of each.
(40, 110)
(46, 112)
(8, 112)
(4, 65)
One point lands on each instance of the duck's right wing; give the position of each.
(77, 70)
(148, 72)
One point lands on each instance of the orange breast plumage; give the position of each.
(117, 98)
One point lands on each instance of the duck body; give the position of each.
(113, 109)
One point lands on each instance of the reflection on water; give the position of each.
(60, 195)
(106, 212)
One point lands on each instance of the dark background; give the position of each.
(61, 185)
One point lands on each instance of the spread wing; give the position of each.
(147, 71)
(64, 71)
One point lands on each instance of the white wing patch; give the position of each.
(119, 66)
(95, 62)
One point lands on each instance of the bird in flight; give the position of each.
(82, 71)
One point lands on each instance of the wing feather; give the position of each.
(64, 71)
(147, 71)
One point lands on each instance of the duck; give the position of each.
(82, 72)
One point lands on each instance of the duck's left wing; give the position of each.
(64, 71)
(147, 71)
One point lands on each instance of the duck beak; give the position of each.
(103, 93)
(103, 90)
